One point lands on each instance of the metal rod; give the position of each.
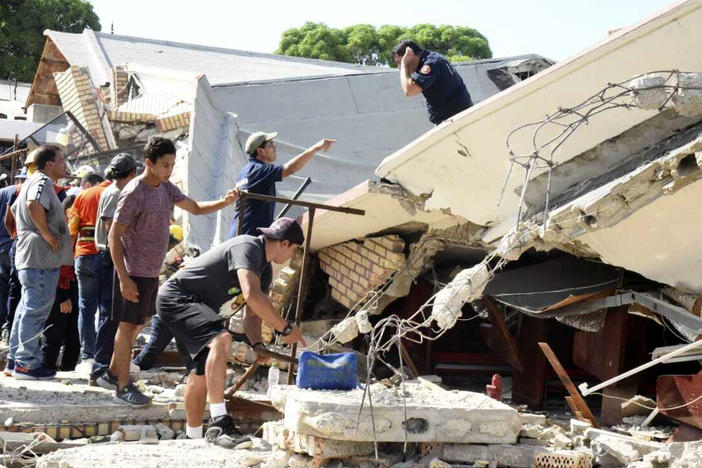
(587, 391)
(340, 209)
(87, 134)
(295, 196)
(242, 207)
(263, 351)
(302, 285)
(15, 147)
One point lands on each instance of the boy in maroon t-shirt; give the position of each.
(138, 242)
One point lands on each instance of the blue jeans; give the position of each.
(106, 331)
(160, 337)
(5, 273)
(94, 290)
(38, 293)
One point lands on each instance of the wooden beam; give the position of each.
(567, 383)
(505, 344)
(302, 285)
(529, 386)
(50, 52)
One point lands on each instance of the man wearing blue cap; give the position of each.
(260, 176)
(234, 273)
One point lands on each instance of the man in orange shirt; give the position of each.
(94, 286)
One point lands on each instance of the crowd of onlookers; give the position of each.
(79, 273)
(79, 265)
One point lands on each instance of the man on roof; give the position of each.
(430, 73)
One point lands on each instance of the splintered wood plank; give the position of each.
(567, 383)
(499, 338)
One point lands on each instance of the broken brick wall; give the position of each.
(118, 87)
(173, 122)
(357, 268)
(78, 97)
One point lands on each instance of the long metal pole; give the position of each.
(306, 204)
(587, 391)
(15, 148)
(295, 196)
(301, 287)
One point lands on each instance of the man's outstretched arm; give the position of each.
(299, 161)
(206, 207)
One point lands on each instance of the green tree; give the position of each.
(367, 45)
(22, 25)
(315, 40)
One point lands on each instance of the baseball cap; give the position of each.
(31, 158)
(284, 229)
(257, 139)
(122, 164)
(22, 174)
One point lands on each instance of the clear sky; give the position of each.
(552, 28)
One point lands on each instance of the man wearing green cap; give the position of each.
(260, 175)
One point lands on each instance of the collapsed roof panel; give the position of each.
(463, 162)
(101, 51)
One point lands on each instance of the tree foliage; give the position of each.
(22, 25)
(367, 45)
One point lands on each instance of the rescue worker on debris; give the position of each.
(235, 272)
(430, 73)
(260, 176)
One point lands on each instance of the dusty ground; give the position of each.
(170, 453)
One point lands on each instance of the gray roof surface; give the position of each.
(101, 51)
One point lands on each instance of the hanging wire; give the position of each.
(419, 327)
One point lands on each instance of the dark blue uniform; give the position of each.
(257, 177)
(442, 87)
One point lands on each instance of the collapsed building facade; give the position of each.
(545, 235)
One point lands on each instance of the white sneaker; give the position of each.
(85, 367)
(133, 368)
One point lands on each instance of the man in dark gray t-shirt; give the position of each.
(228, 276)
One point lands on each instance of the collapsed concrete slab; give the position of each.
(422, 414)
(275, 433)
(70, 400)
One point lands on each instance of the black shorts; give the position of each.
(134, 312)
(193, 324)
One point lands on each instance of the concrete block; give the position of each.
(623, 448)
(164, 432)
(346, 330)
(532, 418)
(649, 92)
(362, 323)
(466, 286)
(275, 433)
(501, 454)
(43, 113)
(433, 415)
(688, 99)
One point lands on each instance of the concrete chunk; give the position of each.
(433, 415)
(532, 418)
(501, 454)
(275, 433)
